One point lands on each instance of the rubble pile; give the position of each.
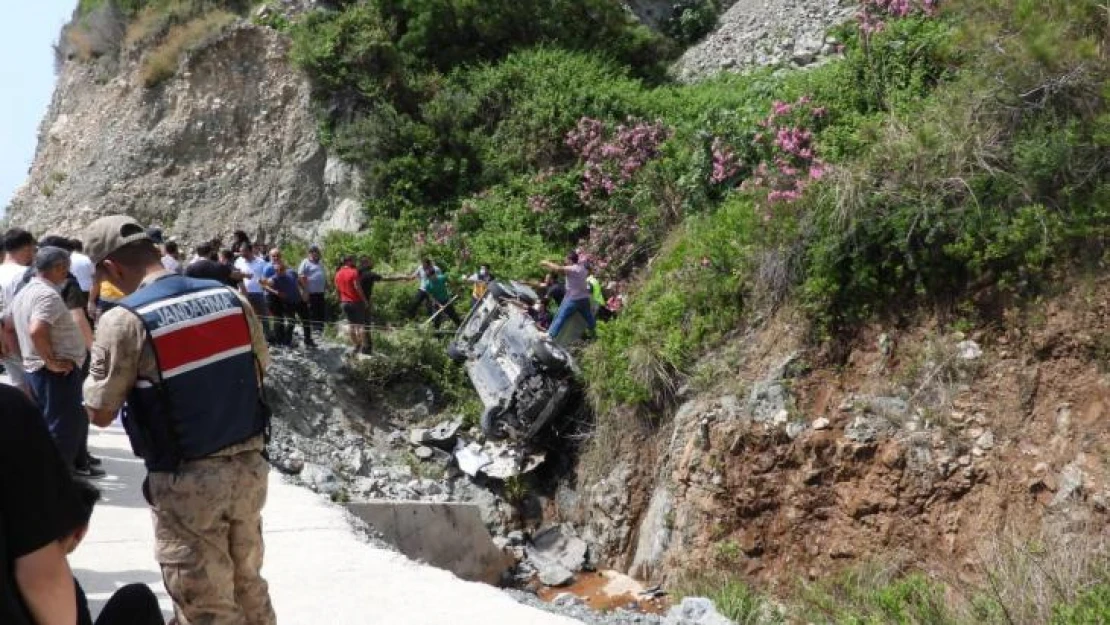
(331, 438)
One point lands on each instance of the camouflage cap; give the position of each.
(108, 234)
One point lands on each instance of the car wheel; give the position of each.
(456, 354)
(547, 357)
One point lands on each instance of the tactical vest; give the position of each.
(207, 397)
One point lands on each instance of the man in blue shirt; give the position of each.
(286, 301)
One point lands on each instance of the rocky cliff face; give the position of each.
(918, 445)
(766, 33)
(229, 142)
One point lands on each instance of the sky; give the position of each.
(27, 34)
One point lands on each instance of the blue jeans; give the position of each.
(59, 396)
(566, 309)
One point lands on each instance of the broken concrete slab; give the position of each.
(449, 536)
(499, 461)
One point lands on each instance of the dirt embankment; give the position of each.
(919, 444)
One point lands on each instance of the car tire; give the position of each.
(456, 354)
(548, 358)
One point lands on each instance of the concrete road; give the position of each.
(320, 572)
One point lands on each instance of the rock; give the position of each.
(764, 33)
(695, 611)
(291, 463)
(557, 554)
(890, 407)
(794, 429)
(354, 461)
(553, 574)
(985, 440)
(1069, 484)
(419, 436)
(654, 535)
(320, 479)
(443, 435)
(806, 50)
(730, 407)
(184, 155)
(515, 537)
(424, 453)
(969, 350)
(820, 423)
(567, 600)
(865, 429)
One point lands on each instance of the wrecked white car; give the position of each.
(523, 378)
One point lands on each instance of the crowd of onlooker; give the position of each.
(51, 298)
(47, 314)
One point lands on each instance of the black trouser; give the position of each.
(59, 398)
(317, 312)
(259, 303)
(134, 604)
(285, 318)
(422, 297)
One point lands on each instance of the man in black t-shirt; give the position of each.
(39, 506)
(206, 267)
(367, 278)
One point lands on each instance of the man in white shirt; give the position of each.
(81, 266)
(19, 246)
(170, 257)
(253, 269)
(53, 350)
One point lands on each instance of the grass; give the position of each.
(734, 599)
(161, 63)
(1051, 577)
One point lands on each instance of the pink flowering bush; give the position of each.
(612, 157)
(790, 161)
(725, 162)
(873, 13)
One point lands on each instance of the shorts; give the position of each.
(355, 312)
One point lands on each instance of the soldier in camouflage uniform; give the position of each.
(184, 360)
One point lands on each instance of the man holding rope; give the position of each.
(439, 295)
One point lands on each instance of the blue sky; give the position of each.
(27, 34)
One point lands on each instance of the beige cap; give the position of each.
(108, 234)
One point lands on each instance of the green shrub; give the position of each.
(161, 63)
(979, 196)
(1092, 606)
(691, 297)
(415, 354)
(690, 20)
(874, 596)
(733, 598)
(443, 34)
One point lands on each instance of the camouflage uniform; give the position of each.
(207, 515)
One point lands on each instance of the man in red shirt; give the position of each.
(353, 301)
